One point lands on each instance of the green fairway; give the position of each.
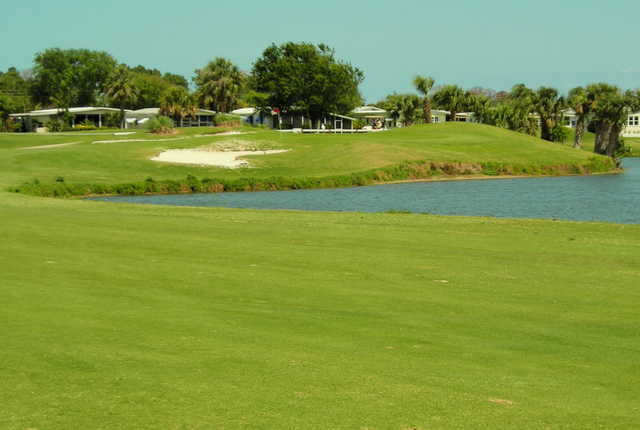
(123, 316)
(152, 317)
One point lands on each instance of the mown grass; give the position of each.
(124, 316)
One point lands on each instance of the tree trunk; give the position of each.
(603, 133)
(581, 125)
(453, 115)
(614, 140)
(545, 129)
(427, 112)
(124, 121)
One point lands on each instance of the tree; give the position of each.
(121, 90)
(307, 78)
(581, 102)
(178, 104)
(7, 106)
(610, 108)
(177, 80)
(220, 84)
(548, 104)
(83, 72)
(451, 98)
(424, 85)
(150, 89)
(403, 108)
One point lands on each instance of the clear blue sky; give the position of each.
(492, 43)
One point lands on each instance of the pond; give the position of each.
(611, 198)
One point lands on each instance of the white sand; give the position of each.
(230, 159)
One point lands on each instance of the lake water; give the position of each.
(612, 198)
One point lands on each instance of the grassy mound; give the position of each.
(313, 159)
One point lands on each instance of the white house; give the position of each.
(632, 127)
(36, 118)
(202, 118)
(253, 116)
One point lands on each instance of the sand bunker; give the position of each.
(229, 159)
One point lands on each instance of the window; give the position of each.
(435, 118)
(634, 120)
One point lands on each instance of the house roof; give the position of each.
(368, 110)
(446, 112)
(342, 116)
(74, 110)
(140, 113)
(247, 111)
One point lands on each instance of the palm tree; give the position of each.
(549, 105)
(177, 103)
(121, 90)
(451, 98)
(610, 107)
(219, 85)
(580, 101)
(424, 85)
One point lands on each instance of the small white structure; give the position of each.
(253, 116)
(438, 115)
(466, 117)
(201, 118)
(374, 116)
(79, 115)
(632, 126)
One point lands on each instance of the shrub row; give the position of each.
(406, 171)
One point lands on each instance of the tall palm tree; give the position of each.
(424, 85)
(580, 101)
(219, 85)
(121, 90)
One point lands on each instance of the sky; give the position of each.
(490, 43)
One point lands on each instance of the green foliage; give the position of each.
(306, 78)
(409, 170)
(219, 84)
(177, 103)
(559, 133)
(451, 98)
(403, 108)
(72, 77)
(160, 125)
(358, 124)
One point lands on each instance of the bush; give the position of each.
(55, 125)
(359, 124)
(160, 125)
(559, 134)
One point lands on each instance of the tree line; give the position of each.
(308, 79)
(303, 77)
(600, 107)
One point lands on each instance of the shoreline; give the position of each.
(451, 178)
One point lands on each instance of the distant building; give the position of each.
(253, 116)
(466, 117)
(201, 118)
(632, 127)
(39, 118)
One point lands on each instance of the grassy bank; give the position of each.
(154, 317)
(313, 160)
